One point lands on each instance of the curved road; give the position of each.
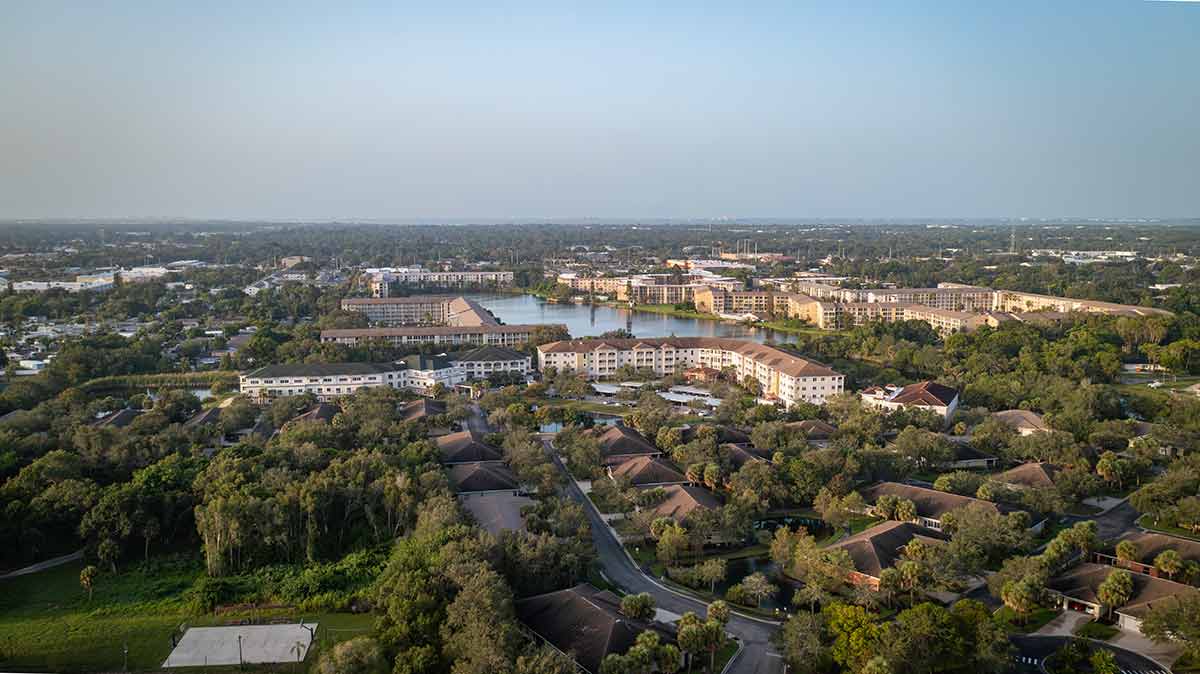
(1039, 648)
(758, 655)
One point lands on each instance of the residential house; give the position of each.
(482, 477)
(1078, 590)
(647, 471)
(1033, 475)
(466, 447)
(879, 548)
(682, 500)
(1023, 422)
(927, 395)
(933, 505)
(619, 443)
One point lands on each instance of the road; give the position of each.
(758, 656)
(42, 566)
(1038, 648)
(477, 422)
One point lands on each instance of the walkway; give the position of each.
(42, 566)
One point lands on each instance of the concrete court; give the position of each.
(260, 644)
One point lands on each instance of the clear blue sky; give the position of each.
(601, 109)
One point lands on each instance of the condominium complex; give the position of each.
(420, 310)
(650, 288)
(380, 279)
(784, 376)
(498, 335)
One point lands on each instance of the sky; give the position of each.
(559, 110)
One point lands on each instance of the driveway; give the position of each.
(1064, 624)
(758, 655)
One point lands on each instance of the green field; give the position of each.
(47, 622)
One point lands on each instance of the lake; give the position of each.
(583, 320)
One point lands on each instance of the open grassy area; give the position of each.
(789, 327)
(1147, 522)
(1096, 630)
(1032, 622)
(47, 622)
(670, 310)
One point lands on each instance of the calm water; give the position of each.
(584, 320)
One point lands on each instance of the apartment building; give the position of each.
(445, 310)
(1019, 302)
(379, 280)
(784, 377)
(324, 380)
(650, 288)
(498, 335)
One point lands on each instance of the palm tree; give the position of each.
(87, 579)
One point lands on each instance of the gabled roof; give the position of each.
(585, 622)
(208, 417)
(935, 504)
(489, 353)
(119, 419)
(320, 370)
(813, 429)
(926, 393)
(965, 452)
(424, 362)
(1150, 545)
(778, 359)
(642, 470)
(879, 547)
(684, 499)
(1036, 474)
(1083, 583)
(469, 477)
(319, 412)
(741, 454)
(1021, 420)
(466, 447)
(419, 409)
(724, 433)
(621, 440)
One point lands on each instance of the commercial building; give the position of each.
(784, 377)
(499, 335)
(420, 310)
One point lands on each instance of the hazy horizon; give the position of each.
(378, 114)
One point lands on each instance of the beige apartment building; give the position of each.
(497, 335)
(784, 377)
(420, 310)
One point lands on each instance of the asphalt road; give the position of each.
(1039, 648)
(758, 656)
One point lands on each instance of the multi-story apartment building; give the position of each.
(420, 310)
(783, 376)
(1019, 302)
(649, 288)
(499, 335)
(380, 279)
(324, 380)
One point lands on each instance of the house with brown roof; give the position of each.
(932, 505)
(741, 454)
(928, 395)
(647, 471)
(1148, 546)
(813, 429)
(1023, 422)
(880, 547)
(466, 447)
(421, 409)
(585, 623)
(1033, 475)
(684, 499)
(1078, 590)
(119, 419)
(321, 412)
(967, 457)
(482, 477)
(619, 443)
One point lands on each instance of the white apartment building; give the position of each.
(498, 335)
(420, 310)
(479, 363)
(784, 377)
(331, 380)
(379, 279)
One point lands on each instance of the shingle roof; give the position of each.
(466, 447)
(1021, 420)
(489, 353)
(925, 393)
(879, 547)
(470, 477)
(320, 369)
(741, 454)
(419, 409)
(1083, 583)
(430, 331)
(814, 429)
(724, 433)
(619, 440)
(1150, 545)
(208, 417)
(965, 452)
(319, 412)
(683, 499)
(643, 470)
(585, 622)
(935, 504)
(1037, 474)
(423, 362)
(119, 419)
(777, 359)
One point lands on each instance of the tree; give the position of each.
(692, 638)
(1022, 596)
(1127, 551)
(803, 645)
(1175, 620)
(757, 587)
(1169, 562)
(360, 655)
(638, 606)
(87, 579)
(672, 541)
(712, 571)
(719, 611)
(857, 635)
(1104, 662)
(1116, 589)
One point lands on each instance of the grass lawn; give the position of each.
(670, 310)
(48, 623)
(1083, 510)
(1096, 630)
(1186, 665)
(1033, 622)
(1147, 522)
